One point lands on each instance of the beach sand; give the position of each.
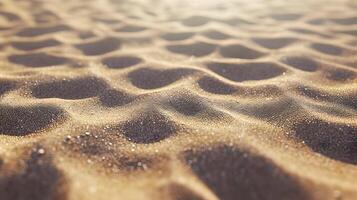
(178, 99)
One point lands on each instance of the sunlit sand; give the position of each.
(178, 99)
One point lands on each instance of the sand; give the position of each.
(178, 99)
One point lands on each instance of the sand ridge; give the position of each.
(159, 99)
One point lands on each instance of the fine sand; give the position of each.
(178, 100)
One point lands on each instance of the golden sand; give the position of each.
(178, 99)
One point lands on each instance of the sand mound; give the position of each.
(178, 99)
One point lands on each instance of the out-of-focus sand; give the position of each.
(161, 99)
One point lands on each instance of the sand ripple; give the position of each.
(134, 99)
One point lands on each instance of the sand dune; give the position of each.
(178, 99)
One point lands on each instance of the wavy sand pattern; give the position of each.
(178, 99)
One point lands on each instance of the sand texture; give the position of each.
(178, 100)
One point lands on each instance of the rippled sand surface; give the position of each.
(178, 99)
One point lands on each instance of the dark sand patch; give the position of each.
(21, 121)
(232, 172)
(30, 45)
(154, 127)
(39, 180)
(215, 86)
(240, 51)
(177, 36)
(196, 21)
(336, 141)
(99, 47)
(327, 49)
(37, 60)
(301, 63)
(118, 62)
(195, 49)
(80, 88)
(147, 78)
(38, 31)
(113, 98)
(247, 71)
(274, 43)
